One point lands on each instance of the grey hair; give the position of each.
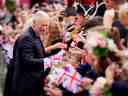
(40, 15)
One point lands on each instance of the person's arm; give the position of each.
(28, 52)
(57, 45)
(110, 75)
(49, 48)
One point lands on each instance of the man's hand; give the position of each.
(86, 82)
(53, 92)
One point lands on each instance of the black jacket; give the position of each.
(122, 30)
(28, 57)
(120, 88)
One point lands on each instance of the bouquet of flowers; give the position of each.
(96, 42)
(99, 43)
(100, 88)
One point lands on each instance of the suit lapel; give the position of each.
(40, 48)
(38, 43)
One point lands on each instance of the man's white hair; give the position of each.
(40, 15)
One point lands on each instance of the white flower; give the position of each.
(94, 39)
(111, 45)
(96, 89)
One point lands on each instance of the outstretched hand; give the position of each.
(60, 45)
(53, 91)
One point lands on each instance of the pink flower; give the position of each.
(101, 42)
(96, 89)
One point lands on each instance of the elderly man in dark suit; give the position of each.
(28, 57)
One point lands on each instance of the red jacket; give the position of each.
(23, 2)
(69, 2)
(88, 2)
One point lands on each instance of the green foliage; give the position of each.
(104, 34)
(107, 91)
(11, 5)
(100, 52)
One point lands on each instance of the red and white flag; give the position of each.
(68, 77)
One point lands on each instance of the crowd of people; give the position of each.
(78, 49)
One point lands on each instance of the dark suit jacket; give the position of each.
(120, 88)
(28, 57)
(122, 30)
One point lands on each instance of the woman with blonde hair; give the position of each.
(54, 35)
